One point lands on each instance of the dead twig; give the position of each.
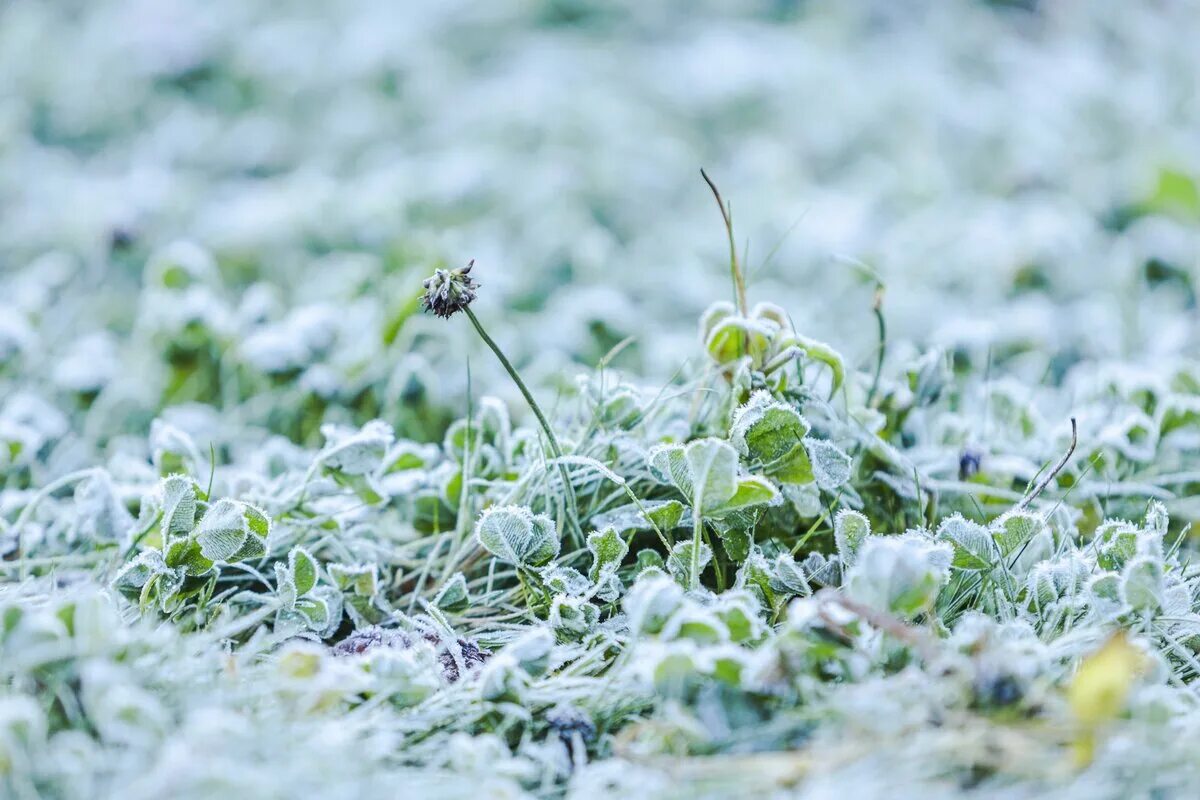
(1044, 482)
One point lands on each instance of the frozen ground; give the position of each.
(215, 220)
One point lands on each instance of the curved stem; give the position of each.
(877, 308)
(27, 512)
(735, 269)
(537, 412)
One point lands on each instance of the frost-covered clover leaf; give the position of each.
(147, 576)
(608, 549)
(728, 336)
(974, 547)
(453, 596)
(233, 531)
(899, 574)
(1142, 585)
(301, 601)
(178, 493)
(1014, 529)
(572, 618)
(772, 434)
(356, 452)
(354, 458)
(830, 464)
(850, 529)
(706, 472)
(517, 535)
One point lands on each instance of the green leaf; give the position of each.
(179, 507)
(1142, 584)
(751, 491)
(223, 530)
(817, 351)
(315, 612)
(1176, 193)
(705, 471)
(668, 464)
(830, 464)
(649, 559)
(285, 586)
(186, 555)
(772, 433)
(257, 521)
(361, 579)
(565, 580)
(665, 514)
(252, 549)
(453, 596)
(572, 618)
(679, 563)
(735, 337)
(516, 535)
(735, 538)
(134, 576)
(974, 548)
(850, 528)
(755, 576)
(787, 577)
(899, 574)
(712, 466)
(356, 452)
(1115, 543)
(304, 570)
(607, 549)
(1014, 529)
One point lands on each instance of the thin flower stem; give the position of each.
(541, 418)
(735, 269)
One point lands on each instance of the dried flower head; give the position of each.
(449, 291)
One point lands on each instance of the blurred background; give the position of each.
(234, 202)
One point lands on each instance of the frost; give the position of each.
(901, 575)
(268, 529)
(516, 535)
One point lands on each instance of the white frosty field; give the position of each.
(887, 492)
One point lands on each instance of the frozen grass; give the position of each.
(651, 514)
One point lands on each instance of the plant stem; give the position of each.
(1037, 490)
(541, 418)
(877, 308)
(735, 269)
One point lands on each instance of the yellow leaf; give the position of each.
(1101, 688)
